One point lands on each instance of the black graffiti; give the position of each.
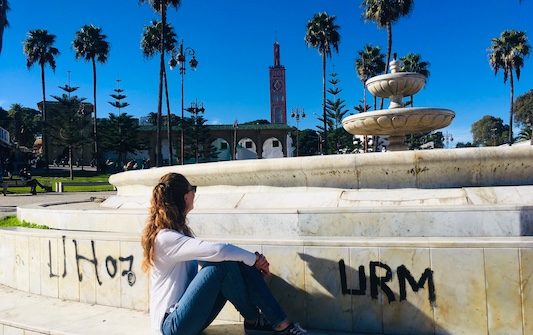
(427, 275)
(111, 263)
(94, 261)
(404, 275)
(64, 257)
(51, 274)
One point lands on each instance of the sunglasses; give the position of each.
(192, 189)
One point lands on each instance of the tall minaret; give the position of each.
(278, 94)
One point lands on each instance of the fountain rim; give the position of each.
(396, 75)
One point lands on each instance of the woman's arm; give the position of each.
(183, 248)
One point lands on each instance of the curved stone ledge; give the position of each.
(230, 212)
(467, 167)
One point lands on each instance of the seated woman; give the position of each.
(184, 300)
(26, 178)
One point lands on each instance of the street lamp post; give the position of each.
(298, 113)
(235, 126)
(447, 137)
(180, 59)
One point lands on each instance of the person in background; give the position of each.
(183, 300)
(3, 184)
(26, 178)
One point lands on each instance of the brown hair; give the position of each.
(167, 211)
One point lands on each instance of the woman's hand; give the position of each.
(262, 264)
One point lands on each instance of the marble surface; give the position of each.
(481, 284)
(487, 166)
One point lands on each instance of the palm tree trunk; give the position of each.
(159, 154)
(44, 139)
(95, 131)
(325, 146)
(511, 111)
(169, 125)
(71, 170)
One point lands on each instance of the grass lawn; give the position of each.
(50, 178)
(12, 221)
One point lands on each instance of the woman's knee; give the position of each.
(222, 269)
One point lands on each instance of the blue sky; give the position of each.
(233, 42)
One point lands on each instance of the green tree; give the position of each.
(413, 63)
(336, 111)
(89, 43)
(160, 6)
(150, 44)
(309, 144)
(418, 140)
(4, 7)
(523, 113)
(525, 134)
(24, 124)
(39, 48)
(322, 33)
(118, 96)
(198, 139)
(507, 53)
(384, 13)
(369, 64)
(68, 123)
(489, 131)
(464, 145)
(120, 133)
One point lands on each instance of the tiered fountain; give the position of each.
(397, 121)
(408, 242)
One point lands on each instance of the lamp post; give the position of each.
(195, 109)
(180, 59)
(235, 127)
(298, 113)
(447, 137)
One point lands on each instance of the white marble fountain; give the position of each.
(397, 121)
(407, 242)
(413, 242)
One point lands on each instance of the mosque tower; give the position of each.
(278, 94)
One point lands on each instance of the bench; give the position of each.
(60, 186)
(14, 182)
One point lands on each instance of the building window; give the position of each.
(275, 143)
(223, 146)
(248, 144)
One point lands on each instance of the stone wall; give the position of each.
(375, 285)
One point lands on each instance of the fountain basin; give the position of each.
(395, 84)
(398, 121)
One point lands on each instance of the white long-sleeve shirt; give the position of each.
(175, 265)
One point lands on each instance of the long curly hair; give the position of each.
(167, 211)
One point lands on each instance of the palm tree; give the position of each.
(160, 6)
(384, 13)
(91, 44)
(150, 44)
(413, 63)
(38, 48)
(4, 7)
(507, 52)
(322, 34)
(369, 64)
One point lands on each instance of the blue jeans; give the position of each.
(214, 284)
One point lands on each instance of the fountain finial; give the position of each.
(393, 65)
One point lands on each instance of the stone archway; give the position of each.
(272, 148)
(224, 149)
(246, 149)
